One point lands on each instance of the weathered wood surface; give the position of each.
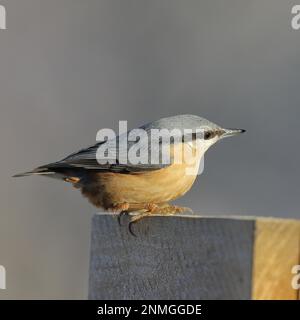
(171, 258)
(194, 257)
(277, 250)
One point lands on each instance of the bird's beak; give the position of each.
(231, 132)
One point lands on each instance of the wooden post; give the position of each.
(193, 257)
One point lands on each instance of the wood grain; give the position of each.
(276, 252)
(171, 258)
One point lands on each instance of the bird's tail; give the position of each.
(37, 171)
(55, 170)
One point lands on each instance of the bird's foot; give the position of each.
(172, 209)
(120, 210)
(152, 208)
(148, 209)
(118, 207)
(145, 211)
(121, 214)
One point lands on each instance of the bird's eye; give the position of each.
(208, 135)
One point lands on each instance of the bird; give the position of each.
(145, 188)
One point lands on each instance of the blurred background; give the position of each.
(71, 67)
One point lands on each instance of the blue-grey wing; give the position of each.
(118, 155)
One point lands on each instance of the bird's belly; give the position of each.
(149, 187)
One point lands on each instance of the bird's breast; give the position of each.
(155, 186)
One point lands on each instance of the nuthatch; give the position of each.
(146, 188)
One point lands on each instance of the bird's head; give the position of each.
(208, 132)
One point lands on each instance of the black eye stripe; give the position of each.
(209, 135)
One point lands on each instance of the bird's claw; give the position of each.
(120, 215)
(130, 224)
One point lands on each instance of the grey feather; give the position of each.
(86, 159)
